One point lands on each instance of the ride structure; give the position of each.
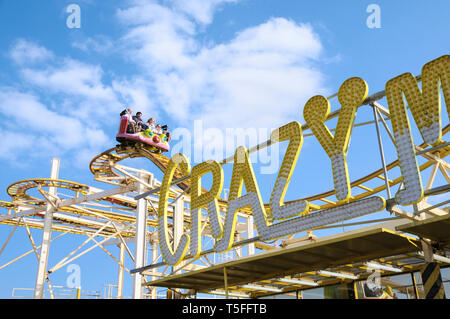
(409, 243)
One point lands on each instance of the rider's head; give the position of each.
(139, 114)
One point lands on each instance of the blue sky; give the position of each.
(230, 64)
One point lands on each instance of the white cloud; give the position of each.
(265, 70)
(71, 77)
(281, 36)
(66, 108)
(76, 89)
(145, 12)
(14, 143)
(160, 44)
(200, 10)
(27, 52)
(135, 93)
(186, 15)
(100, 44)
(79, 89)
(35, 130)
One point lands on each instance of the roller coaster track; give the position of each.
(102, 165)
(66, 225)
(19, 192)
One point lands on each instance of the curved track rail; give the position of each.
(73, 215)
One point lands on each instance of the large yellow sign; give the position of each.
(425, 106)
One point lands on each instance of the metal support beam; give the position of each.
(121, 270)
(238, 249)
(178, 228)
(46, 236)
(29, 252)
(140, 238)
(90, 237)
(225, 281)
(30, 237)
(154, 259)
(178, 220)
(10, 235)
(431, 274)
(380, 146)
(431, 178)
(427, 250)
(250, 234)
(416, 290)
(83, 252)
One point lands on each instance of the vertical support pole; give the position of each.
(355, 289)
(238, 249)
(178, 224)
(46, 236)
(427, 250)
(420, 205)
(140, 238)
(178, 228)
(250, 234)
(121, 271)
(154, 258)
(178, 220)
(431, 274)
(380, 145)
(50, 290)
(416, 290)
(225, 281)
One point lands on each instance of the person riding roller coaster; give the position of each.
(130, 128)
(133, 130)
(140, 125)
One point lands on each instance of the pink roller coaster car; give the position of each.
(158, 143)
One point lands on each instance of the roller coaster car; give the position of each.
(157, 143)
